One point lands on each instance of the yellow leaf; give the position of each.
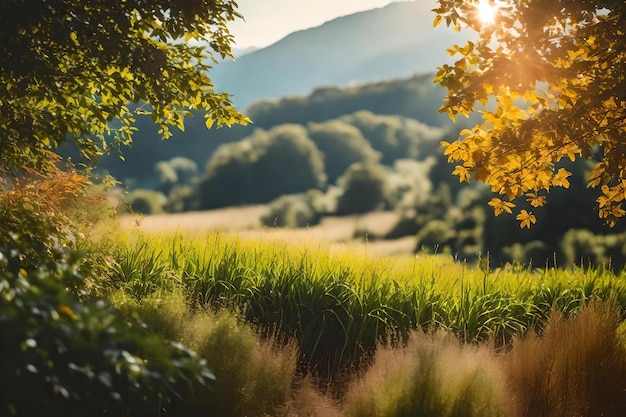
(560, 179)
(526, 219)
(462, 172)
(536, 200)
(67, 311)
(500, 206)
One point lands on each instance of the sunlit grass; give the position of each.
(338, 306)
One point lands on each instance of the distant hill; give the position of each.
(394, 41)
(237, 53)
(380, 60)
(416, 97)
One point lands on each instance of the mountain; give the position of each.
(238, 53)
(380, 60)
(394, 41)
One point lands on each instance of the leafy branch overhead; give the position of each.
(549, 77)
(81, 71)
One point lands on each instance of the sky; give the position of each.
(268, 21)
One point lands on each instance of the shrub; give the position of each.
(177, 171)
(262, 167)
(39, 210)
(342, 145)
(146, 201)
(583, 246)
(435, 236)
(61, 356)
(365, 188)
(298, 210)
(396, 137)
(253, 376)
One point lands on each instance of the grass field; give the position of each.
(314, 322)
(341, 234)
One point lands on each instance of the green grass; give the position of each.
(292, 330)
(338, 307)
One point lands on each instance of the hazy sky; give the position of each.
(267, 21)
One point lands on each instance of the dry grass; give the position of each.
(432, 376)
(338, 234)
(577, 367)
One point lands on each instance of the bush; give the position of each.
(146, 201)
(39, 212)
(61, 356)
(365, 188)
(396, 137)
(582, 246)
(262, 167)
(253, 376)
(342, 145)
(436, 236)
(298, 210)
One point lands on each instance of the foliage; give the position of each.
(342, 145)
(253, 375)
(396, 137)
(69, 69)
(365, 188)
(408, 97)
(296, 210)
(551, 75)
(42, 211)
(176, 171)
(146, 201)
(62, 356)
(582, 247)
(414, 97)
(262, 167)
(435, 236)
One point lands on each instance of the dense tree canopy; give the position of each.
(342, 145)
(551, 75)
(262, 167)
(69, 68)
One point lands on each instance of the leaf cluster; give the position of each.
(69, 69)
(62, 356)
(549, 79)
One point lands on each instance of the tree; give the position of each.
(262, 167)
(551, 75)
(69, 69)
(365, 188)
(342, 145)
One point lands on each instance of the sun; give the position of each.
(486, 12)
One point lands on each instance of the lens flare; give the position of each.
(486, 12)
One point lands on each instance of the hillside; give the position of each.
(390, 42)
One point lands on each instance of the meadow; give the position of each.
(295, 327)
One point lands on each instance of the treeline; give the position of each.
(292, 158)
(416, 97)
(324, 155)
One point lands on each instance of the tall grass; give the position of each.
(431, 376)
(575, 367)
(339, 307)
(253, 376)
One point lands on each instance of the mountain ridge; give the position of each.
(393, 41)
